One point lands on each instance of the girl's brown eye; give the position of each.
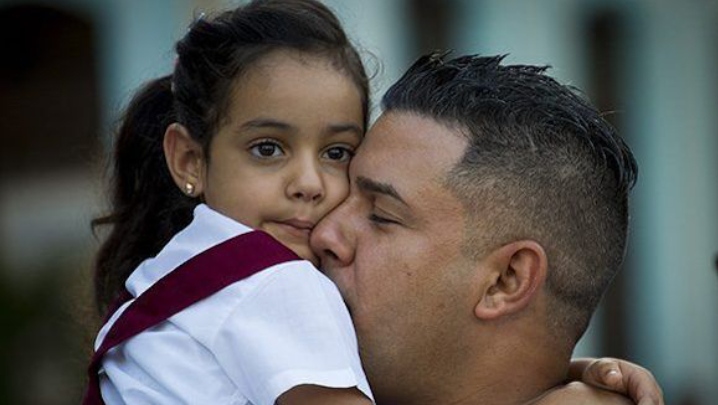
(339, 153)
(266, 149)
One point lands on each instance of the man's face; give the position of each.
(394, 250)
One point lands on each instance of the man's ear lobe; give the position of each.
(184, 157)
(518, 271)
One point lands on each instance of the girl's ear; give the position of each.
(184, 158)
(518, 271)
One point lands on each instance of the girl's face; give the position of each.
(279, 160)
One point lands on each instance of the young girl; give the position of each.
(253, 130)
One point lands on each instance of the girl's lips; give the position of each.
(296, 228)
(299, 224)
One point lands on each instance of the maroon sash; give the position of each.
(199, 277)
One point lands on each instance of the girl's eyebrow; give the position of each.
(345, 127)
(331, 129)
(266, 123)
(259, 123)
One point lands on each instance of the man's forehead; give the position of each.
(397, 133)
(386, 138)
(401, 146)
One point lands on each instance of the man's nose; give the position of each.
(333, 240)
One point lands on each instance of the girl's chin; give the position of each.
(306, 254)
(294, 239)
(302, 250)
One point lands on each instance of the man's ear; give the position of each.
(518, 270)
(184, 158)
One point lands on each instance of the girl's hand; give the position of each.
(620, 376)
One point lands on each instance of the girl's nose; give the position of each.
(306, 183)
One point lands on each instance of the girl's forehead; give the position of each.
(299, 93)
(280, 60)
(285, 77)
(285, 83)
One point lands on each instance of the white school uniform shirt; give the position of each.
(247, 344)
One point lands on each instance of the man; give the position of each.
(487, 216)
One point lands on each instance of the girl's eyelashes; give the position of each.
(265, 149)
(339, 153)
(268, 148)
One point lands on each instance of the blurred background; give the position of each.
(69, 66)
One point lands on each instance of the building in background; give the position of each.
(69, 66)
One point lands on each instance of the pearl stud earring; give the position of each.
(189, 189)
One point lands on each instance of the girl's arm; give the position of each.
(316, 395)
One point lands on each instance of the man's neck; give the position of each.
(507, 373)
(523, 377)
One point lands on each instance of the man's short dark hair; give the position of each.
(542, 164)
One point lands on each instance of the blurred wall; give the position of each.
(653, 63)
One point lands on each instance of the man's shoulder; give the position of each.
(579, 393)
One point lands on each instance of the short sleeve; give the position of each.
(292, 329)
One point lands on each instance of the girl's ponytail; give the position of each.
(147, 207)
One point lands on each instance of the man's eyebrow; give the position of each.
(372, 186)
